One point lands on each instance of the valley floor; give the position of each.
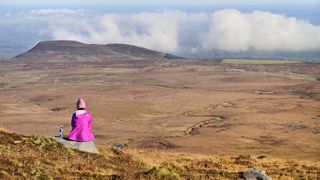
(178, 106)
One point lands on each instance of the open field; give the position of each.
(198, 107)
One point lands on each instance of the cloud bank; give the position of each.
(177, 31)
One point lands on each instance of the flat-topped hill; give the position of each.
(69, 47)
(73, 52)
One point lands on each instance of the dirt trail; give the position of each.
(194, 130)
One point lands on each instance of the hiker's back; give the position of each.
(81, 124)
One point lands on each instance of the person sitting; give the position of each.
(81, 123)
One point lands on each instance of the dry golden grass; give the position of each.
(42, 157)
(230, 166)
(2, 129)
(149, 157)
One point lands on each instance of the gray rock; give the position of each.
(89, 147)
(255, 174)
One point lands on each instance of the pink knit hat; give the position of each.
(81, 103)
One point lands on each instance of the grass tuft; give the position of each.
(161, 172)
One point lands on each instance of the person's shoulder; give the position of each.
(80, 112)
(88, 112)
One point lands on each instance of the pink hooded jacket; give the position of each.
(81, 125)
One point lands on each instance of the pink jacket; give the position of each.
(81, 126)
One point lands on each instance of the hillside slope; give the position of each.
(134, 51)
(41, 157)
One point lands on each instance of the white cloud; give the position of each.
(177, 31)
(232, 30)
(153, 30)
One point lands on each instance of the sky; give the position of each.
(157, 2)
(175, 26)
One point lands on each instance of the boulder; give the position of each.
(89, 147)
(255, 174)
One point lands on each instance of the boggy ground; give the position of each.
(39, 157)
(180, 106)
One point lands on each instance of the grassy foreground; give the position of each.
(43, 158)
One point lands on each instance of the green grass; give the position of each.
(256, 61)
(288, 75)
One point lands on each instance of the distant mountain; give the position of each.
(71, 52)
(68, 47)
(67, 52)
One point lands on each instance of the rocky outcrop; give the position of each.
(255, 174)
(89, 147)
